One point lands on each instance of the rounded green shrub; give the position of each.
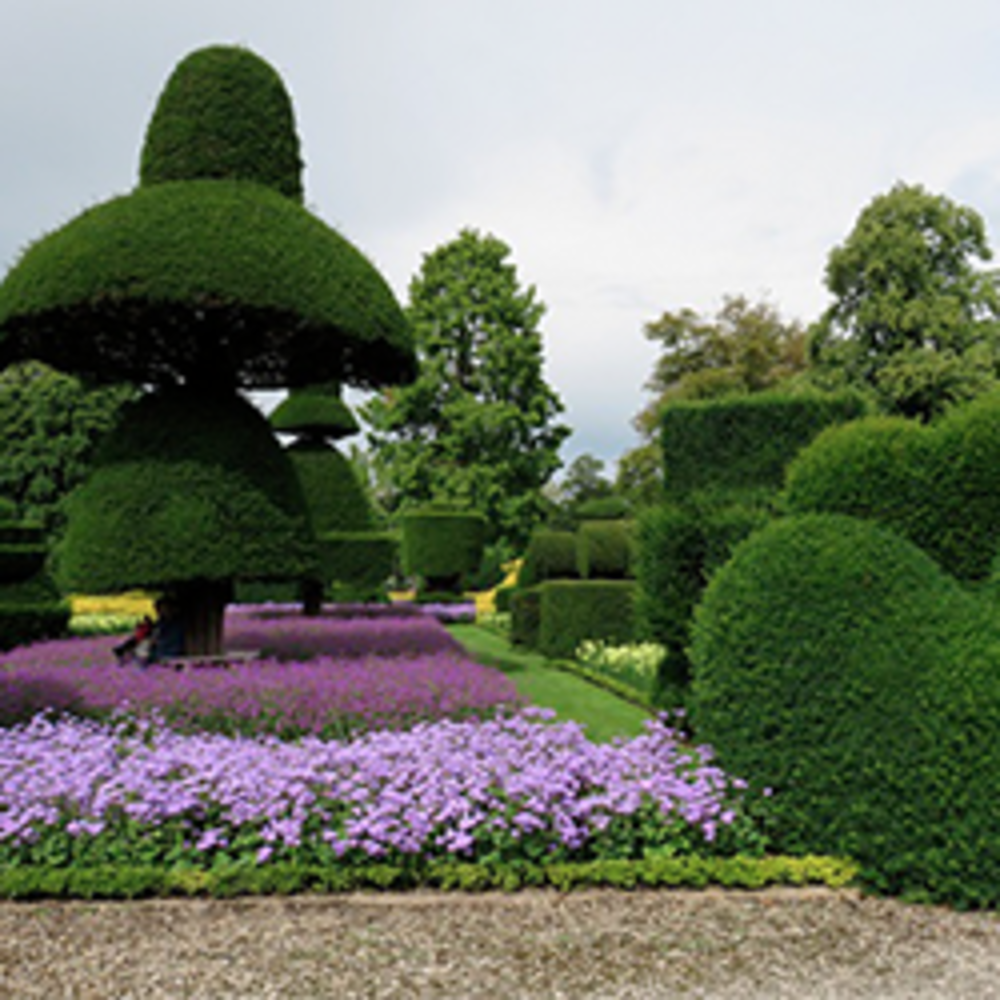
(224, 114)
(835, 663)
(604, 550)
(167, 502)
(937, 485)
(603, 509)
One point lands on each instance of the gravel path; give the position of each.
(801, 943)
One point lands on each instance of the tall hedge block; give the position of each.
(604, 550)
(525, 616)
(574, 610)
(551, 555)
(744, 442)
(442, 545)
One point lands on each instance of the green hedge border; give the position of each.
(117, 882)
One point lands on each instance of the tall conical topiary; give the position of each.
(210, 277)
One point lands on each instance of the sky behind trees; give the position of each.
(636, 155)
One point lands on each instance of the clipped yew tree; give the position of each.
(209, 278)
(351, 551)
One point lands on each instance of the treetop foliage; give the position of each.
(915, 316)
(478, 426)
(224, 114)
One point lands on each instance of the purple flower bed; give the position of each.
(81, 792)
(333, 676)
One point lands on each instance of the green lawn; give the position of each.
(572, 698)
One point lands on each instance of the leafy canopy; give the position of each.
(915, 317)
(478, 425)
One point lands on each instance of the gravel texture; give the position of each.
(801, 943)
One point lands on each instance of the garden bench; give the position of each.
(225, 659)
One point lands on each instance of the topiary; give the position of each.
(31, 606)
(551, 555)
(441, 546)
(937, 485)
(334, 496)
(604, 550)
(835, 663)
(572, 611)
(315, 411)
(224, 114)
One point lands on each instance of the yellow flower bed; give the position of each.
(134, 604)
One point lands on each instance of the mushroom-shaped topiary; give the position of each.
(316, 411)
(210, 276)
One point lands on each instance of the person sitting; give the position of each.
(168, 635)
(138, 644)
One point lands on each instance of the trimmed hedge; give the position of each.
(167, 502)
(19, 562)
(31, 607)
(121, 882)
(677, 551)
(551, 555)
(574, 610)
(938, 486)
(440, 546)
(525, 616)
(604, 550)
(362, 559)
(835, 663)
(603, 509)
(315, 411)
(333, 494)
(743, 442)
(224, 114)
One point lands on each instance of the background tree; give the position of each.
(210, 277)
(51, 423)
(745, 347)
(915, 318)
(478, 426)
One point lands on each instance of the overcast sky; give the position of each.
(636, 155)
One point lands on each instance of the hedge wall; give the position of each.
(551, 555)
(604, 550)
(746, 441)
(574, 610)
(363, 559)
(31, 607)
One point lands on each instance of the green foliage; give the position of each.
(604, 550)
(551, 555)
(478, 425)
(157, 283)
(167, 502)
(525, 616)
(745, 348)
(678, 548)
(136, 882)
(224, 114)
(575, 610)
(914, 317)
(440, 546)
(51, 423)
(939, 485)
(610, 508)
(361, 559)
(31, 607)
(740, 443)
(334, 497)
(314, 411)
(836, 664)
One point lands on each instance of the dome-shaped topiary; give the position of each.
(167, 502)
(316, 411)
(835, 663)
(224, 114)
(210, 281)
